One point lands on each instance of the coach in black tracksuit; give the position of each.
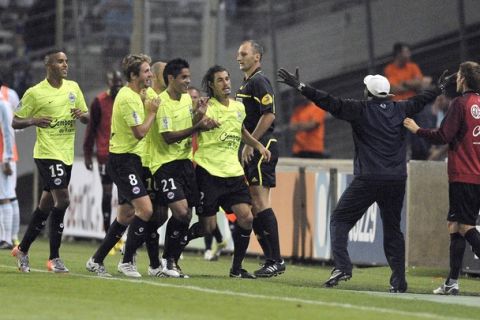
(380, 168)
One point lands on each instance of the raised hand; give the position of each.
(288, 78)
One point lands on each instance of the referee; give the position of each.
(256, 93)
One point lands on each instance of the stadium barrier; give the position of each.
(306, 194)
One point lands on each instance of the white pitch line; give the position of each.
(265, 297)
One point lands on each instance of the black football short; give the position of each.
(464, 202)
(150, 184)
(176, 181)
(218, 192)
(55, 174)
(104, 177)
(127, 173)
(260, 173)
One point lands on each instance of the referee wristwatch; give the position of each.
(301, 86)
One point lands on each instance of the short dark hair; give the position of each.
(51, 52)
(398, 47)
(209, 77)
(257, 47)
(471, 72)
(132, 62)
(174, 68)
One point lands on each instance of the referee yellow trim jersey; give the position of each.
(128, 111)
(218, 148)
(57, 140)
(172, 115)
(151, 94)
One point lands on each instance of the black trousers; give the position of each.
(352, 205)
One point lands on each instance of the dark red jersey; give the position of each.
(461, 130)
(98, 129)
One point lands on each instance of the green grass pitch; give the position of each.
(211, 294)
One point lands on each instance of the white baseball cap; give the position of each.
(378, 85)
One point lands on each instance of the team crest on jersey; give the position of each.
(57, 181)
(136, 118)
(239, 116)
(475, 111)
(165, 122)
(267, 99)
(170, 195)
(71, 97)
(135, 190)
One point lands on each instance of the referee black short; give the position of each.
(260, 173)
(217, 191)
(55, 174)
(176, 181)
(464, 202)
(126, 171)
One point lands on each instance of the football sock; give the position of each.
(56, 231)
(473, 237)
(114, 234)
(262, 240)
(36, 225)
(174, 238)
(208, 239)
(106, 210)
(217, 234)
(135, 238)
(270, 232)
(152, 245)
(195, 231)
(457, 249)
(241, 239)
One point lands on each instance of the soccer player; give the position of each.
(219, 172)
(256, 93)
(171, 158)
(53, 106)
(460, 129)
(131, 121)
(380, 168)
(98, 134)
(9, 211)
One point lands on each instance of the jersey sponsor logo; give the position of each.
(57, 181)
(135, 190)
(476, 131)
(170, 195)
(62, 123)
(475, 110)
(267, 99)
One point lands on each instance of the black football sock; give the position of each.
(195, 231)
(114, 234)
(217, 234)
(152, 245)
(208, 239)
(241, 239)
(106, 210)
(36, 225)
(56, 231)
(473, 237)
(258, 229)
(457, 249)
(270, 231)
(176, 229)
(135, 238)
